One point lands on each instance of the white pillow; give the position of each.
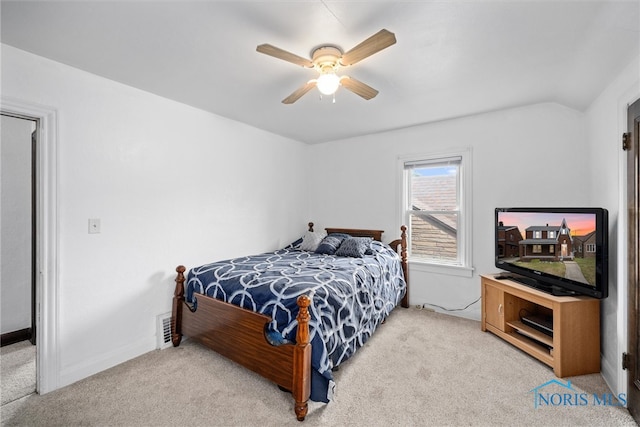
(311, 240)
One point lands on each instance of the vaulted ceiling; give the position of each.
(452, 58)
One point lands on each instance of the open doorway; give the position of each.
(47, 240)
(18, 255)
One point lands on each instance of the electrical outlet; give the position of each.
(94, 225)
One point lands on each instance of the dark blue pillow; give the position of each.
(355, 247)
(331, 243)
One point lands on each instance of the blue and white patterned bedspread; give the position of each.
(350, 297)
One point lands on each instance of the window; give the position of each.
(590, 248)
(537, 234)
(436, 209)
(537, 249)
(551, 235)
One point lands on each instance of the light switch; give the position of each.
(94, 225)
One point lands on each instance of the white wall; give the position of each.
(171, 184)
(15, 223)
(521, 157)
(606, 122)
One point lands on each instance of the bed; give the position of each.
(294, 315)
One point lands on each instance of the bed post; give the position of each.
(402, 241)
(405, 265)
(302, 360)
(178, 302)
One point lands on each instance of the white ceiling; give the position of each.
(452, 58)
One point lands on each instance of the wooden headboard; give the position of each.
(355, 232)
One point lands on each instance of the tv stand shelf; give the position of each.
(574, 348)
(531, 333)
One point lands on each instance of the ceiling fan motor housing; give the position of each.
(325, 59)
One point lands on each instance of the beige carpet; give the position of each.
(17, 371)
(420, 368)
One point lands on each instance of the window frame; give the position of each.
(464, 266)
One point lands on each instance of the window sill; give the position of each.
(452, 270)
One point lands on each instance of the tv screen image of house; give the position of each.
(558, 244)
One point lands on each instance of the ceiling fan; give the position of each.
(327, 59)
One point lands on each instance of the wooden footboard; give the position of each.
(239, 335)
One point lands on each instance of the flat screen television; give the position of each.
(563, 251)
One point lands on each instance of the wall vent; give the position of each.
(164, 331)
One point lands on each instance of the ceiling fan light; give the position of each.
(328, 83)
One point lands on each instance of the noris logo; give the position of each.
(556, 393)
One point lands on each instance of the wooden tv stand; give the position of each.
(574, 348)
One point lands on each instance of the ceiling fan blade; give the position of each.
(276, 52)
(297, 94)
(380, 40)
(357, 87)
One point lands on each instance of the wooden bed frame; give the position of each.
(239, 334)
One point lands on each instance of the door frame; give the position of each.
(631, 195)
(47, 241)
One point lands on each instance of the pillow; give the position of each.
(311, 240)
(355, 247)
(331, 243)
